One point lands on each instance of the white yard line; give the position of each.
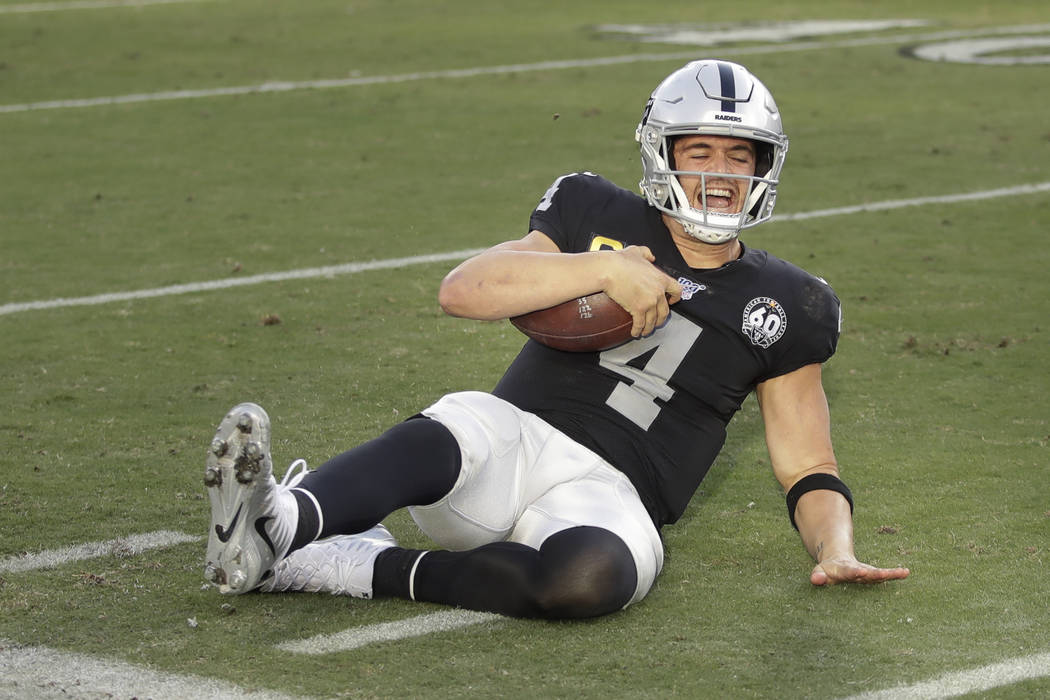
(132, 544)
(40, 672)
(84, 5)
(394, 263)
(357, 637)
(286, 86)
(307, 273)
(972, 680)
(889, 204)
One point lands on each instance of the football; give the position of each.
(590, 323)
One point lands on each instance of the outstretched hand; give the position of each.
(832, 571)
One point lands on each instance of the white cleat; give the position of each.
(253, 519)
(340, 565)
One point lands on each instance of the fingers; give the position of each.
(641, 250)
(663, 310)
(638, 327)
(645, 323)
(673, 293)
(644, 290)
(830, 573)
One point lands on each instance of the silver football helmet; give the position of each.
(722, 99)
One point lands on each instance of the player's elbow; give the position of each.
(457, 296)
(449, 298)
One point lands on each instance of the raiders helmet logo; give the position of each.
(764, 321)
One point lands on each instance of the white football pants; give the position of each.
(522, 481)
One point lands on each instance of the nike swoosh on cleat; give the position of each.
(225, 534)
(260, 527)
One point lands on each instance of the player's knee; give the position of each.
(587, 572)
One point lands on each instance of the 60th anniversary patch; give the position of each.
(764, 321)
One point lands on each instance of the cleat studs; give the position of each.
(212, 477)
(237, 580)
(215, 575)
(219, 447)
(249, 462)
(253, 451)
(244, 423)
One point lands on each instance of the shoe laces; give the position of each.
(292, 477)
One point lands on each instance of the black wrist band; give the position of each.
(816, 482)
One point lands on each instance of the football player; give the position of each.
(545, 497)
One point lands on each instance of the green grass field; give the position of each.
(938, 391)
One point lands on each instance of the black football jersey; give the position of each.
(657, 407)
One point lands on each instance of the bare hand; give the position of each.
(849, 570)
(642, 289)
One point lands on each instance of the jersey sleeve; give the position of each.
(567, 204)
(813, 333)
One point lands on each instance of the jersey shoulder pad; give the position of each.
(575, 187)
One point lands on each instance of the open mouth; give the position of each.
(719, 198)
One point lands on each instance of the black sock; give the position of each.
(392, 572)
(414, 463)
(309, 520)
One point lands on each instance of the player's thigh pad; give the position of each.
(498, 444)
(487, 497)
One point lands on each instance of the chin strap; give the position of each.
(756, 196)
(708, 235)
